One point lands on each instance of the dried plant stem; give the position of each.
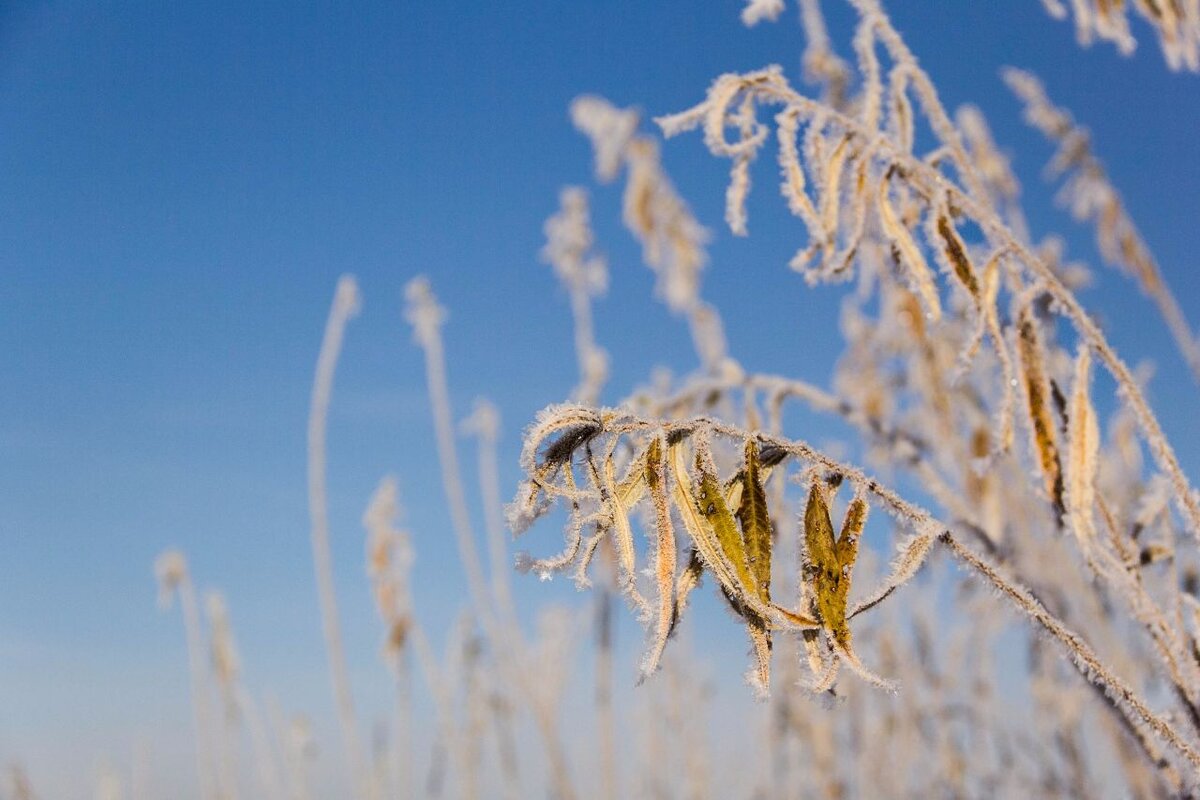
(443, 700)
(345, 306)
(485, 424)
(584, 275)
(585, 345)
(475, 713)
(1085, 660)
(606, 724)
(200, 705)
(506, 745)
(777, 389)
(402, 763)
(290, 740)
(1136, 733)
(227, 784)
(569, 238)
(426, 317)
(264, 759)
(872, 17)
(429, 337)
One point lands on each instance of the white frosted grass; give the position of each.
(346, 302)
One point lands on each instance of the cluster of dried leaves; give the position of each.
(728, 527)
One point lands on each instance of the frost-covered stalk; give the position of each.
(295, 742)
(672, 240)
(346, 302)
(569, 241)
(426, 317)
(390, 559)
(506, 743)
(568, 249)
(402, 738)
(239, 707)
(173, 578)
(821, 65)
(265, 766)
(469, 649)
(225, 664)
(606, 723)
(937, 377)
(484, 424)
(449, 735)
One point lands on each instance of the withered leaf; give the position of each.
(710, 502)
(908, 254)
(1038, 397)
(732, 573)
(847, 547)
(956, 253)
(756, 523)
(664, 554)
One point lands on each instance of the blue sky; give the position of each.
(183, 183)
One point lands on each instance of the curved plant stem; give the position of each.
(345, 306)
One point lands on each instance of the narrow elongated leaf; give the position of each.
(703, 537)
(633, 485)
(623, 533)
(760, 639)
(832, 190)
(852, 528)
(664, 554)
(756, 535)
(956, 254)
(688, 580)
(825, 568)
(710, 501)
(830, 566)
(847, 546)
(909, 254)
(756, 523)
(1038, 399)
(1083, 445)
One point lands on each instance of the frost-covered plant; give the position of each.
(958, 374)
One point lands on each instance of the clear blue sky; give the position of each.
(181, 185)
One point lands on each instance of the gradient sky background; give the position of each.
(181, 185)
